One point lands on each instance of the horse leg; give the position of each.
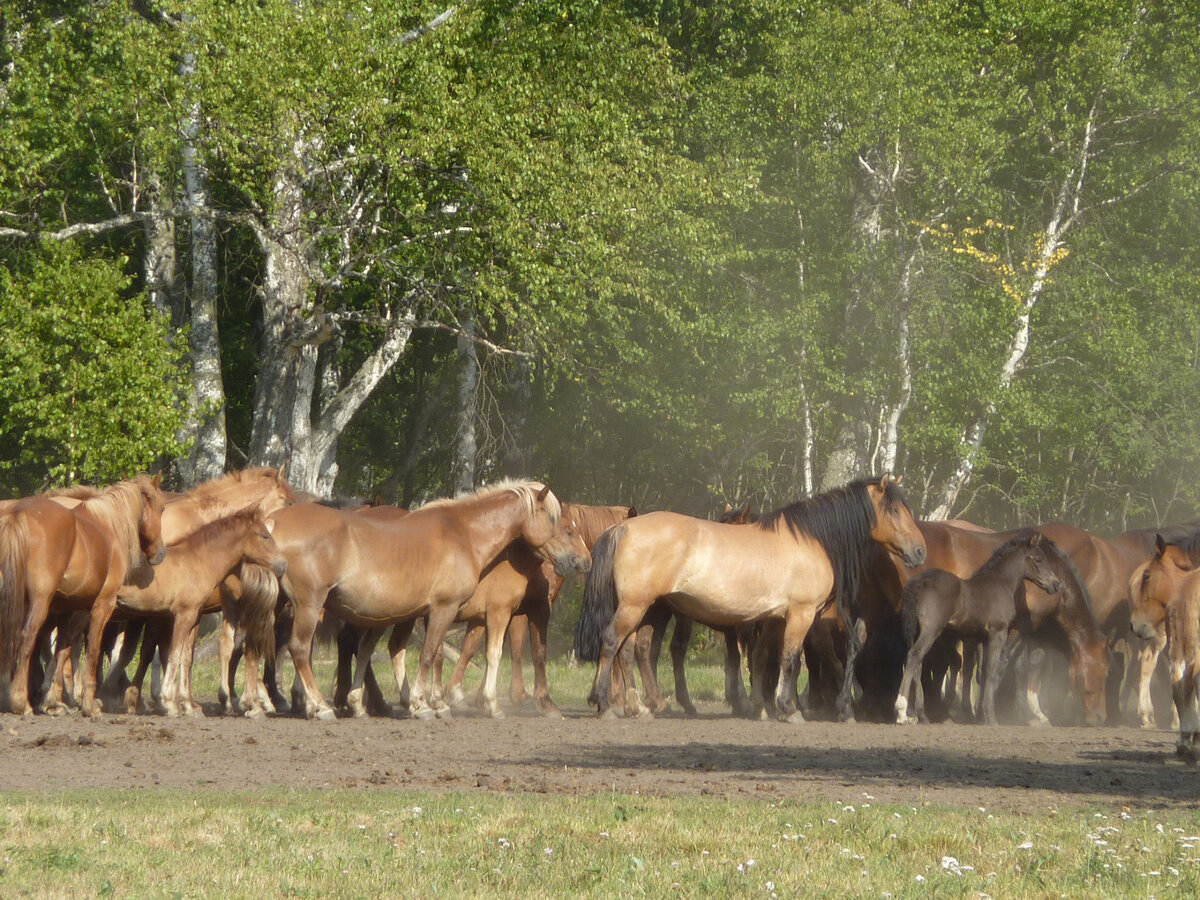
(190, 706)
(35, 617)
(498, 620)
(735, 691)
(349, 641)
(69, 636)
(795, 627)
(1147, 664)
(539, 625)
(681, 637)
(226, 649)
(994, 660)
(398, 650)
(914, 664)
(304, 626)
(760, 657)
(427, 698)
(102, 610)
(1035, 662)
(116, 684)
(625, 621)
(470, 646)
(970, 666)
(634, 656)
(647, 648)
(518, 628)
(1189, 719)
(845, 698)
(365, 639)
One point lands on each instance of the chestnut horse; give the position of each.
(255, 489)
(1167, 599)
(184, 586)
(516, 595)
(59, 558)
(375, 573)
(783, 569)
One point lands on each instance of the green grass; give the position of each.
(327, 844)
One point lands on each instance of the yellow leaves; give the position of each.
(1015, 276)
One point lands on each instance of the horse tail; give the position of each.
(260, 595)
(599, 596)
(14, 552)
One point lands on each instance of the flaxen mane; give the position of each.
(527, 490)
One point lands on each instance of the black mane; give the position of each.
(840, 521)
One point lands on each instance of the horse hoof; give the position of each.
(551, 711)
(424, 713)
(255, 712)
(444, 713)
(609, 713)
(325, 715)
(456, 698)
(795, 718)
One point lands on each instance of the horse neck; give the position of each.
(1009, 570)
(593, 521)
(119, 509)
(493, 522)
(1075, 613)
(220, 551)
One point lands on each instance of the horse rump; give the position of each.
(599, 597)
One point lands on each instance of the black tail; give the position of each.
(599, 597)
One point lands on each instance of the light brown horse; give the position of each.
(378, 573)
(184, 586)
(260, 489)
(68, 559)
(783, 569)
(516, 594)
(1168, 600)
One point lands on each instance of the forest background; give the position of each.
(660, 253)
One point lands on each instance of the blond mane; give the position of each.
(526, 490)
(119, 508)
(213, 493)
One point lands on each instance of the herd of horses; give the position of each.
(894, 618)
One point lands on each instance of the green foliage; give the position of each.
(89, 381)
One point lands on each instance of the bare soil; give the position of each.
(1019, 768)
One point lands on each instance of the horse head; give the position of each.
(894, 525)
(553, 536)
(1154, 585)
(1038, 568)
(150, 521)
(260, 547)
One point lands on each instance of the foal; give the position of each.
(986, 602)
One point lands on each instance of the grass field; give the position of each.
(159, 844)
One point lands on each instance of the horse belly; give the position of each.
(726, 611)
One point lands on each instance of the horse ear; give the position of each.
(271, 526)
(157, 480)
(728, 509)
(896, 479)
(1035, 539)
(543, 493)
(281, 473)
(632, 512)
(885, 481)
(1159, 545)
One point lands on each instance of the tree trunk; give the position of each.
(891, 430)
(465, 441)
(207, 401)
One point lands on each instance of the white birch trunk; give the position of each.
(891, 430)
(465, 443)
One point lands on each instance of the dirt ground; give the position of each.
(1019, 768)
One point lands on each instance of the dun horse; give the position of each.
(783, 569)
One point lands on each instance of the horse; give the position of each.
(1167, 598)
(72, 558)
(185, 584)
(516, 595)
(784, 568)
(263, 489)
(374, 573)
(984, 603)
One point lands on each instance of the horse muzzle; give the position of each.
(279, 567)
(565, 565)
(1144, 630)
(913, 558)
(158, 557)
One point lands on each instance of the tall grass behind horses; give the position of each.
(369, 843)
